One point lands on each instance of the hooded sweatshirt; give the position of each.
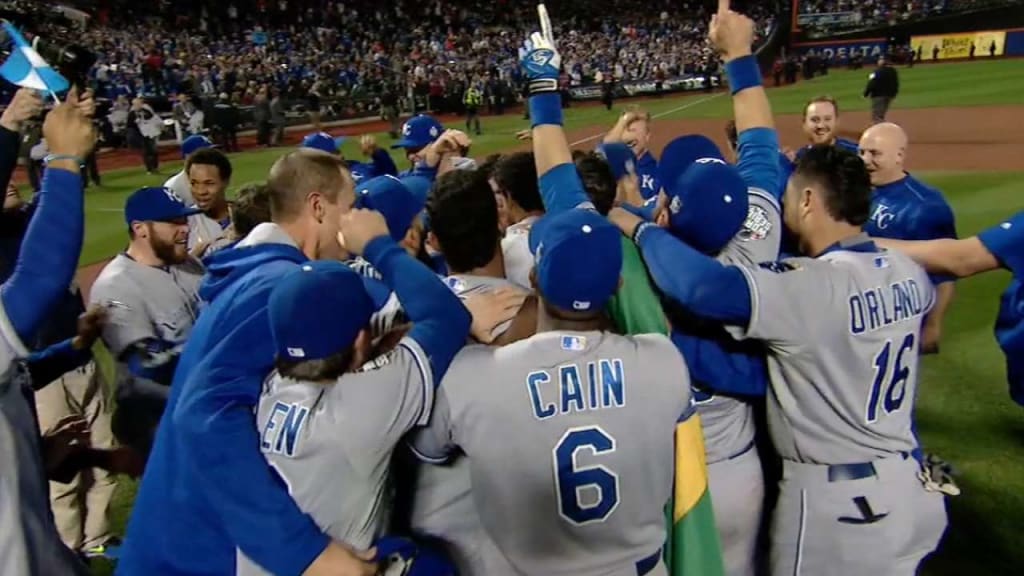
(207, 488)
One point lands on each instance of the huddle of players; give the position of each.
(581, 485)
(559, 443)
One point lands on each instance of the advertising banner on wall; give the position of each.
(869, 48)
(950, 46)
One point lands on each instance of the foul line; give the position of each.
(655, 116)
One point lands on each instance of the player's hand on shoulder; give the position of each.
(358, 227)
(339, 560)
(491, 309)
(90, 326)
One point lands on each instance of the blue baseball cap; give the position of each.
(323, 141)
(620, 157)
(156, 204)
(706, 196)
(304, 298)
(577, 258)
(419, 131)
(400, 201)
(193, 143)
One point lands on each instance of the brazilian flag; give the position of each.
(692, 548)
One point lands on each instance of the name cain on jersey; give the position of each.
(572, 388)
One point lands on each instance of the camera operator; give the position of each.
(144, 128)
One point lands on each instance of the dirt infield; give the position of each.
(967, 139)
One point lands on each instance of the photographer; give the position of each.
(144, 128)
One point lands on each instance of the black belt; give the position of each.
(647, 564)
(856, 471)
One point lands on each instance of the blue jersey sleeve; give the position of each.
(933, 221)
(757, 159)
(440, 321)
(1006, 242)
(215, 420)
(785, 171)
(561, 189)
(383, 164)
(699, 283)
(723, 364)
(47, 365)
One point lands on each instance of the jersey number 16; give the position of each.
(598, 484)
(891, 374)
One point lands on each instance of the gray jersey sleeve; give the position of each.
(759, 239)
(397, 388)
(433, 443)
(786, 300)
(127, 320)
(515, 248)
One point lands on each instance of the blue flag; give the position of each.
(26, 68)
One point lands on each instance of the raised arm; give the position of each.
(732, 35)
(49, 253)
(560, 185)
(699, 283)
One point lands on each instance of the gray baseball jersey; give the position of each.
(842, 331)
(29, 542)
(332, 443)
(515, 248)
(182, 187)
(468, 284)
(146, 302)
(728, 423)
(214, 233)
(570, 447)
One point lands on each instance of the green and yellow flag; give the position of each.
(692, 548)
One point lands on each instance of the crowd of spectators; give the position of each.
(323, 51)
(871, 13)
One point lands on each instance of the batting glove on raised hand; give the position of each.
(539, 58)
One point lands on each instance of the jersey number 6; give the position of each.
(892, 376)
(585, 494)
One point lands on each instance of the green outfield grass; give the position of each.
(964, 412)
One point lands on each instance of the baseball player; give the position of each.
(309, 414)
(179, 183)
(381, 163)
(730, 213)
(190, 498)
(151, 294)
(400, 200)
(46, 266)
(515, 180)
(1001, 246)
(821, 126)
(209, 174)
(563, 395)
(418, 133)
(634, 128)
(463, 224)
(847, 315)
(904, 208)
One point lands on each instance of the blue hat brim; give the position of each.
(405, 143)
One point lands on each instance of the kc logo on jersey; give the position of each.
(882, 216)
